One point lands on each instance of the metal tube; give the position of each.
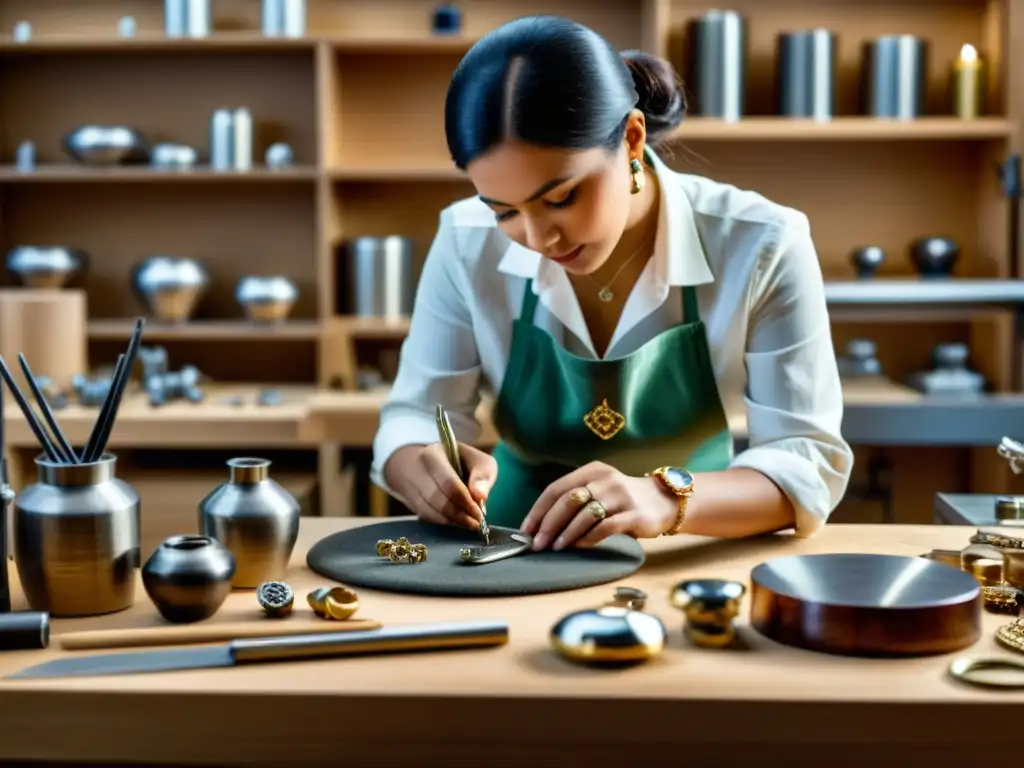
(895, 76)
(807, 73)
(719, 64)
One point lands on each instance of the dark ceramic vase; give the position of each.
(934, 256)
(188, 578)
(866, 260)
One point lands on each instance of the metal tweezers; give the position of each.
(451, 450)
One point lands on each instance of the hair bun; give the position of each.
(660, 91)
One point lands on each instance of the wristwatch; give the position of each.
(679, 483)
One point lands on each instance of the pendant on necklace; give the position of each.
(605, 295)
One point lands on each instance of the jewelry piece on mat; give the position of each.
(402, 550)
(637, 176)
(596, 508)
(580, 496)
(965, 670)
(446, 435)
(1002, 599)
(604, 421)
(508, 544)
(1011, 636)
(384, 546)
(276, 598)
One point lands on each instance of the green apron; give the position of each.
(658, 406)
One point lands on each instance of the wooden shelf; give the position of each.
(131, 174)
(845, 129)
(225, 330)
(242, 42)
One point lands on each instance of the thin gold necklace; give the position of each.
(605, 292)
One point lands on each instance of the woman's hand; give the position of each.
(566, 514)
(423, 477)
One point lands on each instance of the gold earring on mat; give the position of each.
(636, 171)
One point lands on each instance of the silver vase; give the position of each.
(255, 518)
(76, 539)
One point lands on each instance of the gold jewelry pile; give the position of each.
(402, 551)
(1012, 636)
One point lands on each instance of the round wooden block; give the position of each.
(866, 605)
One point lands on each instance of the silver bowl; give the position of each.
(266, 299)
(45, 266)
(104, 144)
(170, 156)
(170, 287)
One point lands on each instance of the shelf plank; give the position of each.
(144, 174)
(403, 174)
(844, 129)
(204, 330)
(877, 292)
(373, 327)
(242, 42)
(411, 44)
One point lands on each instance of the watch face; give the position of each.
(680, 479)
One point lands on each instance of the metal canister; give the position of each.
(718, 66)
(272, 18)
(807, 74)
(293, 18)
(241, 139)
(379, 276)
(255, 518)
(175, 15)
(198, 18)
(895, 76)
(76, 539)
(222, 140)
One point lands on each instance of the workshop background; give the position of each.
(262, 181)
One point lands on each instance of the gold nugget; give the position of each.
(402, 550)
(384, 546)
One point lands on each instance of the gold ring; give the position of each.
(597, 509)
(580, 496)
(338, 603)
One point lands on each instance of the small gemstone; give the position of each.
(680, 478)
(605, 295)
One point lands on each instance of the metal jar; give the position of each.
(379, 277)
(718, 64)
(255, 518)
(895, 76)
(76, 539)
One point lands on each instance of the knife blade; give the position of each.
(446, 435)
(393, 639)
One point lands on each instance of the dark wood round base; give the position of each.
(866, 605)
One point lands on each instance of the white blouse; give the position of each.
(761, 297)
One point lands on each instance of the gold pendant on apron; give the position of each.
(604, 422)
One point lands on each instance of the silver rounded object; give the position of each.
(279, 155)
(104, 144)
(173, 156)
(170, 287)
(266, 299)
(45, 266)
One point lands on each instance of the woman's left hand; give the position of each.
(595, 501)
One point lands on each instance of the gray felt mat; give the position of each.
(350, 557)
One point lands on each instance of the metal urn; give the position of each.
(45, 266)
(105, 144)
(255, 518)
(266, 299)
(188, 578)
(170, 287)
(76, 539)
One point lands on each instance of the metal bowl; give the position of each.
(49, 266)
(170, 287)
(104, 144)
(266, 299)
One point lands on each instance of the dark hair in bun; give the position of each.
(660, 93)
(550, 81)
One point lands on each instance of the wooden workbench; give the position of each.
(769, 705)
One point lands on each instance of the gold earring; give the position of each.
(636, 170)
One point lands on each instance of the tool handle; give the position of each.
(393, 639)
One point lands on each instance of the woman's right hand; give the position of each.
(422, 475)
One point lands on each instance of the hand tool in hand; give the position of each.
(446, 435)
(396, 639)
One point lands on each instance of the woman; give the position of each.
(614, 305)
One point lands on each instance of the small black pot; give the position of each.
(934, 256)
(188, 578)
(866, 260)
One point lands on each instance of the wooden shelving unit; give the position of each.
(360, 99)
